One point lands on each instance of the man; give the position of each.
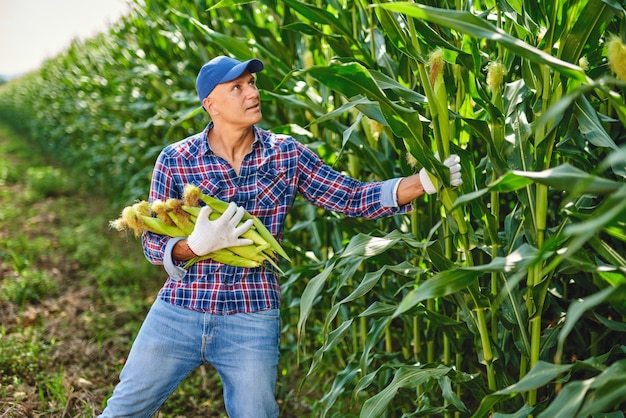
(219, 314)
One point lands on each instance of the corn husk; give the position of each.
(177, 217)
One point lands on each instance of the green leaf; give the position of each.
(450, 396)
(554, 115)
(483, 131)
(405, 377)
(571, 179)
(593, 16)
(524, 412)
(577, 308)
(236, 46)
(472, 25)
(441, 284)
(303, 28)
(341, 110)
(608, 214)
(612, 325)
(369, 281)
(229, 3)
(563, 177)
(387, 83)
(378, 309)
(396, 31)
(609, 390)
(612, 278)
(448, 282)
(540, 375)
(590, 125)
(364, 245)
(319, 15)
(375, 332)
(344, 379)
(313, 288)
(596, 395)
(353, 79)
(568, 401)
(336, 336)
(509, 182)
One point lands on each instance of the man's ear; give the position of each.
(209, 106)
(206, 102)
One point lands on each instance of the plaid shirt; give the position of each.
(270, 177)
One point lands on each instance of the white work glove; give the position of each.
(430, 183)
(208, 236)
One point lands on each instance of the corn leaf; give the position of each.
(541, 374)
(472, 25)
(404, 377)
(448, 282)
(579, 307)
(313, 288)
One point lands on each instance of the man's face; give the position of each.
(236, 101)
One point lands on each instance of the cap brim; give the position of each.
(254, 66)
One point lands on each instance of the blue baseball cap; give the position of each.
(220, 70)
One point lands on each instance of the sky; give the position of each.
(34, 30)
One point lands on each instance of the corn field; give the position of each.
(505, 297)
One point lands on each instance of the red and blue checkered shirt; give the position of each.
(271, 175)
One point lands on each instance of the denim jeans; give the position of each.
(172, 342)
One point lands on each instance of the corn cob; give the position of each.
(225, 256)
(251, 233)
(260, 250)
(153, 225)
(137, 218)
(192, 193)
(177, 217)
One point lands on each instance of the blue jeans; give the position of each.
(172, 342)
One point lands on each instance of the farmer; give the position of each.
(220, 314)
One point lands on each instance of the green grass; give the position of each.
(23, 356)
(21, 157)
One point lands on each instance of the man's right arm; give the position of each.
(182, 252)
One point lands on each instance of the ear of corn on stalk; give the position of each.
(177, 217)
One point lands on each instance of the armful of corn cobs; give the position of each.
(177, 218)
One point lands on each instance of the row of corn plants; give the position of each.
(503, 297)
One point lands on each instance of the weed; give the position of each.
(30, 286)
(202, 389)
(47, 181)
(53, 391)
(22, 357)
(22, 156)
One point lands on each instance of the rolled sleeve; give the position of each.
(175, 272)
(389, 193)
